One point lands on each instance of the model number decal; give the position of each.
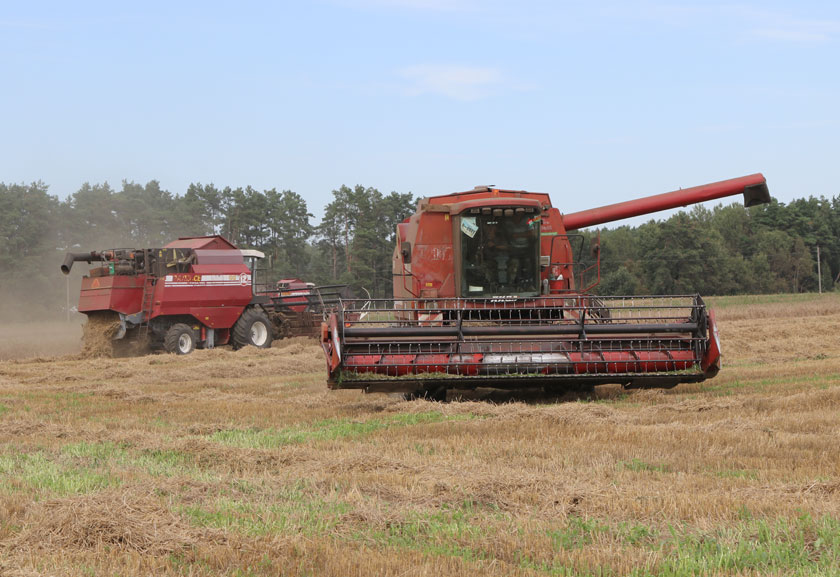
(195, 280)
(503, 298)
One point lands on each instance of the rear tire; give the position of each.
(252, 329)
(180, 339)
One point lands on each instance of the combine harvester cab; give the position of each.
(486, 295)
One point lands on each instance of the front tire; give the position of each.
(252, 329)
(180, 339)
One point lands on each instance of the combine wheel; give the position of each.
(180, 339)
(253, 328)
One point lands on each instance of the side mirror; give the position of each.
(595, 246)
(405, 251)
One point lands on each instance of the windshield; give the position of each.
(500, 252)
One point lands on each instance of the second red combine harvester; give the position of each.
(486, 295)
(194, 292)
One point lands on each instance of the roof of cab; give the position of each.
(214, 242)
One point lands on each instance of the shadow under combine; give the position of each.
(534, 396)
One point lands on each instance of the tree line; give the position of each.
(351, 245)
(726, 250)
(723, 250)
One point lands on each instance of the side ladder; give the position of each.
(147, 303)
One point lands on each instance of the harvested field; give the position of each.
(243, 463)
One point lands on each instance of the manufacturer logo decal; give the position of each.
(205, 280)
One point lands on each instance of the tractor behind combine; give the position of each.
(195, 292)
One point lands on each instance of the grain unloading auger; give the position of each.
(486, 295)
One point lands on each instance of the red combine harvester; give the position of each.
(486, 295)
(196, 292)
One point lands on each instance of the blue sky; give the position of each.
(592, 102)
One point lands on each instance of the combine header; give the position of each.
(486, 295)
(196, 292)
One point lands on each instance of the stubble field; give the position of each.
(243, 463)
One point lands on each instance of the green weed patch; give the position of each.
(326, 430)
(292, 510)
(39, 473)
(638, 465)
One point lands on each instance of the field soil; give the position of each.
(243, 463)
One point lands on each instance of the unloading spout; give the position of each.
(753, 187)
(79, 257)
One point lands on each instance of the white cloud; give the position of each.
(753, 20)
(791, 29)
(465, 83)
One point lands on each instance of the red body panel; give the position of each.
(215, 317)
(711, 361)
(115, 293)
(215, 296)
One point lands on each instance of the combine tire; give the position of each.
(180, 339)
(253, 328)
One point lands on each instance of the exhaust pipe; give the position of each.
(79, 257)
